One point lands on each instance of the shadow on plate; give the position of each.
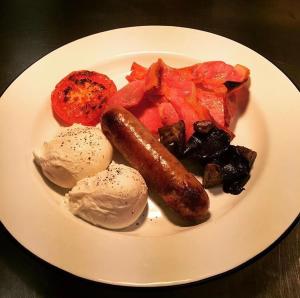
(60, 190)
(138, 223)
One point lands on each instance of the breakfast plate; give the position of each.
(158, 250)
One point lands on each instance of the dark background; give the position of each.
(31, 29)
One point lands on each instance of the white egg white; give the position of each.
(76, 152)
(113, 198)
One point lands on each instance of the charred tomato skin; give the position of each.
(81, 97)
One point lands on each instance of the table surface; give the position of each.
(31, 29)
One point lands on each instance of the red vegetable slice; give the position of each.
(81, 97)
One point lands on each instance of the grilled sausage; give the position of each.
(176, 186)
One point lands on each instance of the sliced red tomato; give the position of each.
(81, 97)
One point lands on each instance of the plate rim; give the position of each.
(220, 275)
(275, 242)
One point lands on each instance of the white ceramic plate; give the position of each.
(157, 251)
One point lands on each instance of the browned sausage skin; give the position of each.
(161, 170)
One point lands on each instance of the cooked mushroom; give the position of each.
(247, 153)
(210, 146)
(173, 137)
(212, 175)
(207, 142)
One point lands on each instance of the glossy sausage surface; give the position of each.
(162, 171)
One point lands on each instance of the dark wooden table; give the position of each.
(31, 29)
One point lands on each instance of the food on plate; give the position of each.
(81, 96)
(162, 113)
(162, 95)
(173, 138)
(232, 167)
(212, 175)
(114, 198)
(207, 142)
(179, 189)
(74, 153)
(209, 146)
